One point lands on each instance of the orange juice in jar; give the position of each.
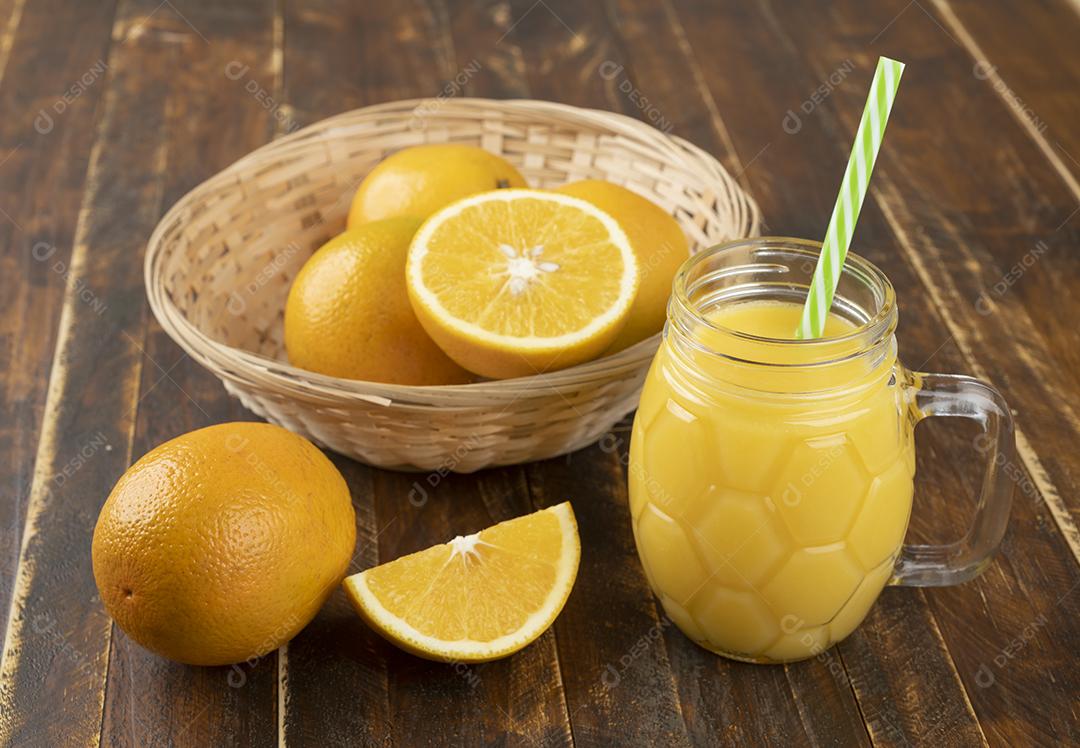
(771, 478)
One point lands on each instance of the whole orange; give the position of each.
(658, 242)
(348, 314)
(221, 544)
(420, 180)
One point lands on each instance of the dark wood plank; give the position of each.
(1034, 77)
(343, 682)
(44, 144)
(965, 621)
(342, 55)
(56, 652)
(151, 700)
(611, 619)
(334, 686)
(1027, 54)
(486, 53)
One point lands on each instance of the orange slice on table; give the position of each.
(478, 597)
(516, 282)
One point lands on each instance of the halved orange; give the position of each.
(516, 282)
(478, 597)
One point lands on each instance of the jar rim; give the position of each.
(879, 325)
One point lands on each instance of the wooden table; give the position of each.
(114, 110)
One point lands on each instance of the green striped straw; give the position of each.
(848, 203)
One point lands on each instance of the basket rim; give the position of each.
(221, 357)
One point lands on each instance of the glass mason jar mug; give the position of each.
(771, 478)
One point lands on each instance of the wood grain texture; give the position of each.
(992, 247)
(973, 215)
(43, 161)
(334, 681)
(1041, 96)
(817, 711)
(56, 649)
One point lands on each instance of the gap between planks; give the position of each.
(1075, 4)
(277, 66)
(702, 87)
(1028, 457)
(936, 629)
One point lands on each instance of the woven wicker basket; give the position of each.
(219, 265)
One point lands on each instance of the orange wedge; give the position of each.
(479, 597)
(516, 282)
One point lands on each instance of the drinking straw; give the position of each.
(848, 203)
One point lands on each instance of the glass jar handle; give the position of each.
(965, 559)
